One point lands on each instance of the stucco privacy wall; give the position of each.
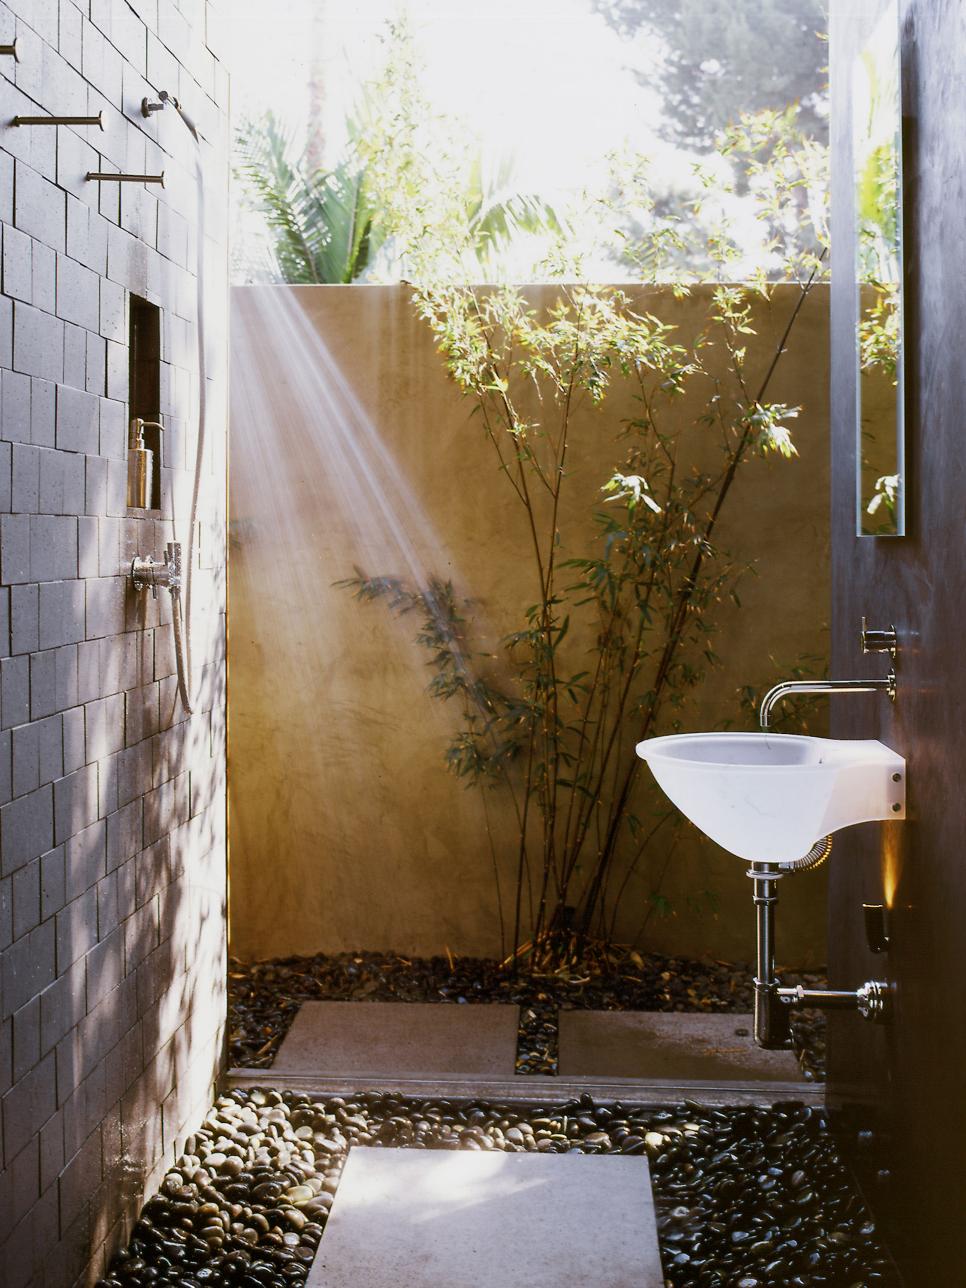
(347, 831)
(112, 882)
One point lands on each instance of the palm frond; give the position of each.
(321, 225)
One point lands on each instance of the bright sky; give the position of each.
(545, 81)
(547, 85)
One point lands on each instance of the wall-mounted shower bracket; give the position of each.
(773, 1003)
(149, 574)
(103, 176)
(97, 120)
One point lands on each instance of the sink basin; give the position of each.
(769, 797)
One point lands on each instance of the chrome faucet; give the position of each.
(789, 688)
(873, 641)
(774, 1004)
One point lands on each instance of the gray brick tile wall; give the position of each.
(6, 766)
(24, 618)
(41, 401)
(43, 278)
(15, 390)
(25, 1028)
(77, 416)
(38, 342)
(53, 882)
(110, 1032)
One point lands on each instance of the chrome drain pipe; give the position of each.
(772, 1029)
(773, 1003)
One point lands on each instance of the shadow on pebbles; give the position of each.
(746, 1197)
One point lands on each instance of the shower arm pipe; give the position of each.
(10, 50)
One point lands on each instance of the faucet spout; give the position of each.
(789, 688)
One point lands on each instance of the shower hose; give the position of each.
(181, 611)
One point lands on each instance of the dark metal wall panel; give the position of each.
(913, 1073)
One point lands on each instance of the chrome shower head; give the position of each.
(164, 97)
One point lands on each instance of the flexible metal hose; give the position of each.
(202, 412)
(181, 615)
(813, 859)
(179, 648)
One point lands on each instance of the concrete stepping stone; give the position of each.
(401, 1039)
(673, 1046)
(412, 1218)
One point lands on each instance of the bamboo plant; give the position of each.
(554, 734)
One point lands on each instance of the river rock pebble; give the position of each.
(744, 1196)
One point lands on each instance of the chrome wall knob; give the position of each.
(879, 641)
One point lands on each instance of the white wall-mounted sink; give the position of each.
(769, 797)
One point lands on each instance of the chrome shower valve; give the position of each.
(149, 574)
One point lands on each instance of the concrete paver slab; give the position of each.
(409, 1218)
(671, 1045)
(400, 1038)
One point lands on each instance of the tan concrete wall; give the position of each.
(346, 831)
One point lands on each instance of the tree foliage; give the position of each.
(551, 722)
(321, 224)
(332, 225)
(723, 58)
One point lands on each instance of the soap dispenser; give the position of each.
(140, 465)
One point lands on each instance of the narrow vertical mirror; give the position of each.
(877, 151)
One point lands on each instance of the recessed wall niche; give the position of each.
(145, 435)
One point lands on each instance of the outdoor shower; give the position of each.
(172, 573)
(148, 573)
